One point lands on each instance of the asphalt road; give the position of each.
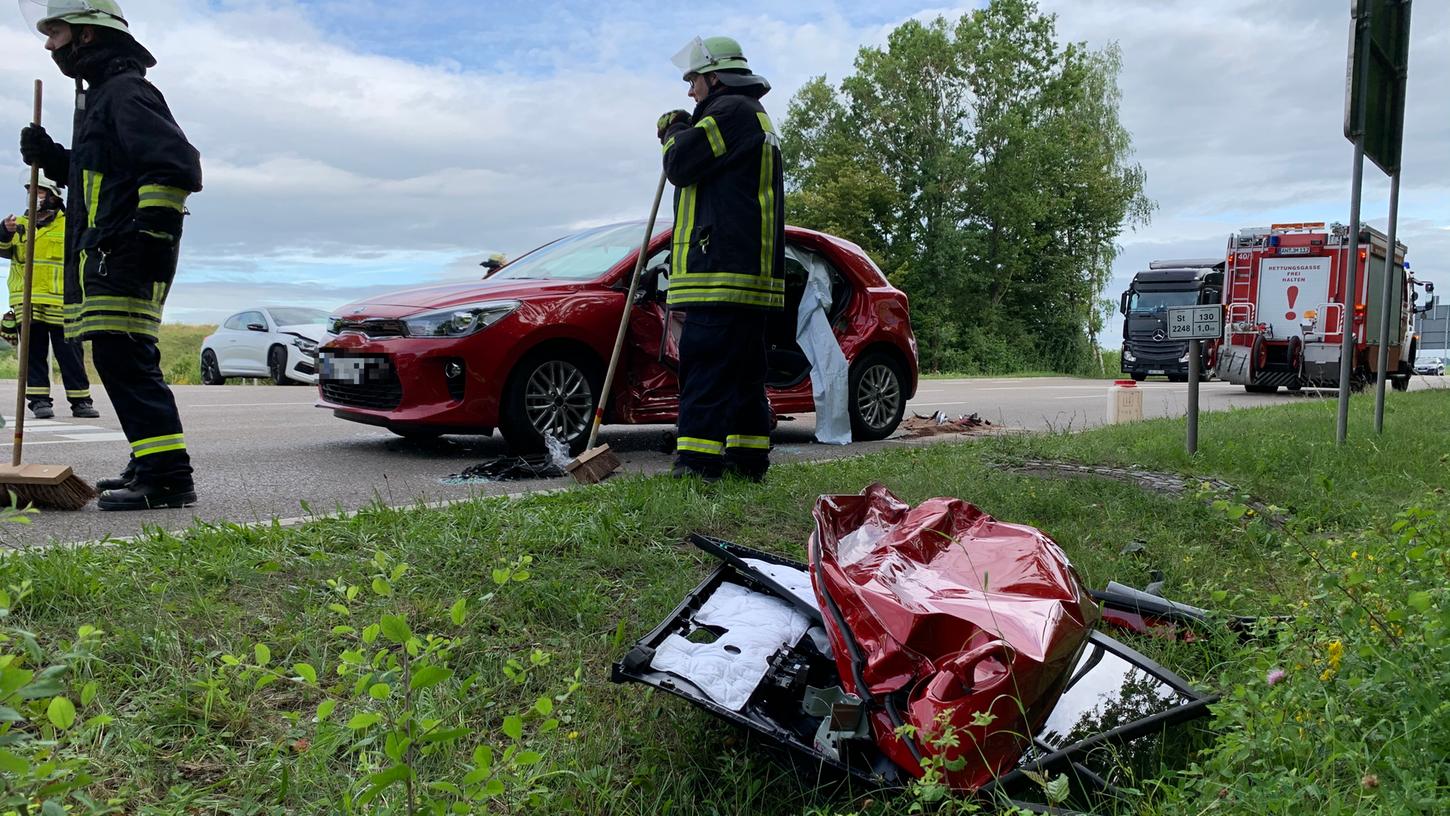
(260, 452)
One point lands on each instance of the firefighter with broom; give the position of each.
(727, 259)
(47, 305)
(129, 171)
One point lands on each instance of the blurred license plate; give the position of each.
(350, 370)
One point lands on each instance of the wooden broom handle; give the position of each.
(22, 353)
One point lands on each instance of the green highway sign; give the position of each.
(1379, 56)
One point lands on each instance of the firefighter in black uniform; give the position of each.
(727, 260)
(130, 170)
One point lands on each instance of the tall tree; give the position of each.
(983, 164)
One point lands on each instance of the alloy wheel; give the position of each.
(878, 397)
(558, 400)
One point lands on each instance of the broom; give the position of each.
(53, 487)
(595, 464)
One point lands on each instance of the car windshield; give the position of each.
(297, 316)
(1151, 301)
(578, 257)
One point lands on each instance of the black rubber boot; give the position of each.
(84, 408)
(684, 471)
(41, 409)
(142, 496)
(128, 475)
(749, 471)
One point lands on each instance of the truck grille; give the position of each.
(1148, 348)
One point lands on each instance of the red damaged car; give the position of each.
(525, 350)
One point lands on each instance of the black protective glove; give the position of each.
(38, 149)
(668, 120)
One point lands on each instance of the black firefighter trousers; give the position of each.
(130, 369)
(725, 417)
(44, 337)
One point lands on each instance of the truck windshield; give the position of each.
(1151, 301)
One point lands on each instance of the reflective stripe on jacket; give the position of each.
(48, 282)
(729, 238)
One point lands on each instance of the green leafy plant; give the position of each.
(41, 769)
(1346, 707)
(393, 703)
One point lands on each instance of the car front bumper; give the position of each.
(401, 382)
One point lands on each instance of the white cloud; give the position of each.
(315, 149)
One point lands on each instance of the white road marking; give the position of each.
(45, 431)
(246, 404)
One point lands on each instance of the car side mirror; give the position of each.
(256, 327)
(649, 284)
(1123, 304)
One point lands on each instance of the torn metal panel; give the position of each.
(825, 709)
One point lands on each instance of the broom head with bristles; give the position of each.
(594, 465)
(52, 487)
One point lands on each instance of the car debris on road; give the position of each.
(929, 636)
(917, 426)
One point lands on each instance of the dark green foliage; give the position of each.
(982, 165)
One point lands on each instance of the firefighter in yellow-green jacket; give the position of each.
(47, 304)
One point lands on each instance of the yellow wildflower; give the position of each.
(1335, 655)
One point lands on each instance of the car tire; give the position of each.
(1261, 389)
(1139, 377)
(877, 388)
(555, 389)
(1178, 378)
(211, 373)
(1401, 383)
(277, 365)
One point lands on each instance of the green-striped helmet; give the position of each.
(702, 56)
(102, 13)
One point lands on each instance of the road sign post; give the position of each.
(1195, 324)
(1388, 296)
(1374, 119)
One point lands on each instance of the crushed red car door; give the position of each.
(974, 622)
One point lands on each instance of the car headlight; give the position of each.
(306, 345)
(1128, 355)
(459, 321)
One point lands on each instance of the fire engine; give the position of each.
(1284, 314)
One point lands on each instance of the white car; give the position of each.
(279, 342)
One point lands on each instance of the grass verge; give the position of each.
(180, 345)
(171, 725)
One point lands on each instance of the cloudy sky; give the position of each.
(352, 146)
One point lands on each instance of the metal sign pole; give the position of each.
(1391, 269)
(1350, 293)
(1195, 352)
(1346, 345)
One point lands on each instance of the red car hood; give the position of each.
(407, 301)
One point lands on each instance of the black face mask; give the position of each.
(67, 59)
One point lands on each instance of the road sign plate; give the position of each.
(1195, 323)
